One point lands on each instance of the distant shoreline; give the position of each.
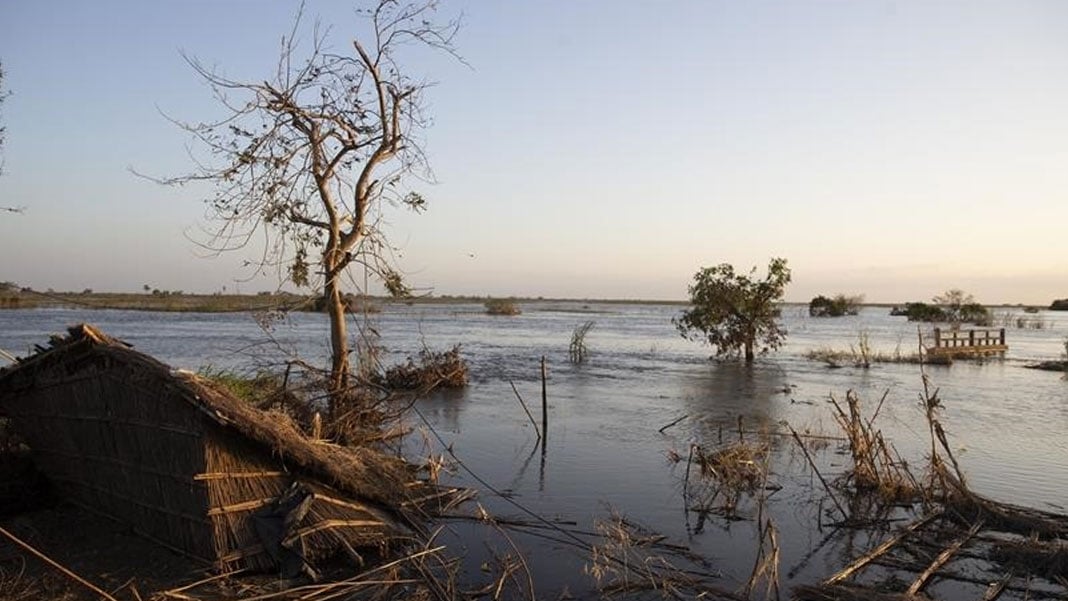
(230, 303)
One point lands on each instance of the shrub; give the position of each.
(501, 306)
(1059, 305)
(840, 305)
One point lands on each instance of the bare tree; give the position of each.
(312, 156)
(3, 95)
(3, 130)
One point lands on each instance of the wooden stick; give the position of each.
(54, 564)
(874, 554)
(686, 482)
(525, 409)
(544, 405)
(942, 559)
(812, 464)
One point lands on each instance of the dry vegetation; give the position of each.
(956, 535)
(434, 369)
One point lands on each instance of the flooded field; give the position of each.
(605, 450)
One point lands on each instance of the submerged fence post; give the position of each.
(544, 406)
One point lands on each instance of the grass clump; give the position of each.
(860, 355)
(502, 306)
(259, 388)
(729, 473)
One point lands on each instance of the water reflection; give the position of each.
(604, 447)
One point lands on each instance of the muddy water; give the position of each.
(604, 449)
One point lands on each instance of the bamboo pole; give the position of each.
(942, 559)
(56, 565)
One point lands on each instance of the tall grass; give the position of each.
(860, 354)
(1023, 322)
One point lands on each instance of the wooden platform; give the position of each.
(967, 343)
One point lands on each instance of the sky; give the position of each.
(583, 148)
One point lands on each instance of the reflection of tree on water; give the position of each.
(445, 407)
(721, 392)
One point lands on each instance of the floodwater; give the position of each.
(604, 450)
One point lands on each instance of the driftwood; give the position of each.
(878, 551)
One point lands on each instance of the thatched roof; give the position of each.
(365, 472)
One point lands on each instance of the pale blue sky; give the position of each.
(592, 149)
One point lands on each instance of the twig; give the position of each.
(56, 565)
(812, 464)
(661, 430)
(531, 417)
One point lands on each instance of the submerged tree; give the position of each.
(959, 306)
(736, 313)
(311, 156)
(822, 306)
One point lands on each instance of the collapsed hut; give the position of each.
(186, 464)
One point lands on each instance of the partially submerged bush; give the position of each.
(973, 313)
(446, 369)
(502, 306)
(1060, 304)
(840, 305)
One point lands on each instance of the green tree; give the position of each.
(313, 156)
(736, 313)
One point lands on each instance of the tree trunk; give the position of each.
(339, 342)
(749, 351)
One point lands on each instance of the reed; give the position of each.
(876, 468)
(577, 350)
